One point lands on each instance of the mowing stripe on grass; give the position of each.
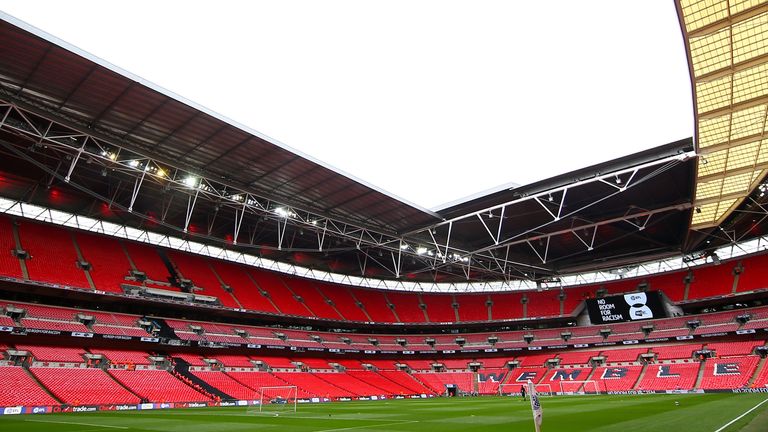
(76, 423)
(741, 416)
(402, 422)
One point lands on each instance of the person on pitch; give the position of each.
(522, 391)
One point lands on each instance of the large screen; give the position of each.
(627, 307)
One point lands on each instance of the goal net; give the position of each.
(277, 400)
(514, 389)
(570, 387)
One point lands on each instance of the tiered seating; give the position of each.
(406, 307)
(382, 365)
(419, 364)
(616, 378)
(472, 307)
(6, 321)
(454, 363)
(506, 306)
(536, 360)
(375, 304)
(83, 386)
(344, 302)
(762, 378)
(226, 383)
(755, 274)
(730, 373)
(313, 363)
(711, 281)
(234, 360)
(559, 374)
(147, 260)
(9, 264)
(192, 359)
(312, 298)
(576, 357)
(257, 380)
(349, 365)
(437, 381)
(313, 385)
(278, 362)
(439, 307)
(157, 386)
(728, 349)
(123, 356)
(54, 325)
(18, 388)
(196, 269)
(405, 380)
(54, 354)
(494, 363)
(109, 265)
(675, 351)
(671, 283)
(351, 384)
(53, 255)
(522, 375)
(623, 355)
(245, 290)
(544, 303)
(378, 381)
(280, 295)
(493, 378)
(679, 376)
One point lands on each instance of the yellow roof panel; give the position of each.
(698, 13)
(728, 47)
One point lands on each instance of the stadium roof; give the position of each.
(728, 55)
(83, 136)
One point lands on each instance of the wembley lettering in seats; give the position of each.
(566, 375)
(628, 307)
(614, 372)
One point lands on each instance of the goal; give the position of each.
(513, 389)
(569, 387)
(280, 399)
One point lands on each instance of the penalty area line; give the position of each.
(77, 423)
(741, 416)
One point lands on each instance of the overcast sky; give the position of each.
(431, 101)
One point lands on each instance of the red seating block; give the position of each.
(83, 386)
(53, 255)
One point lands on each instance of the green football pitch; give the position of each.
(695, 413)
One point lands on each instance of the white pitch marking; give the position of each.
(741, 416)
(370, 426)
(76, 423)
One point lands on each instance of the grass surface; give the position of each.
(696, 413)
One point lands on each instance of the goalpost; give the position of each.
(513, 389)
(277, 400)
(588, 387)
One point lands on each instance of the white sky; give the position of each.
(431, 101)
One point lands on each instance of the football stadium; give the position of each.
(164, 268)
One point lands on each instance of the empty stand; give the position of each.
(54, 353)
(711, 281)
(754, 274)
(80, 386)
(243, 286)
(544, 303)
(197, 269)
(506, 306)
(280, 295)
(312, 298)
(157, 386)
(19, 388)
(406, 307)
(439, 307)
(344, 302)
(226, 383)
(9, 264)
(109, 265)
(375, 303)
(53, 257)
(677, 376)
(147, 260)
(729, 373)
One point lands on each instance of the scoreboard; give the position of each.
(627, 307)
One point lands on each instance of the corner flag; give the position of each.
(535, 405)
